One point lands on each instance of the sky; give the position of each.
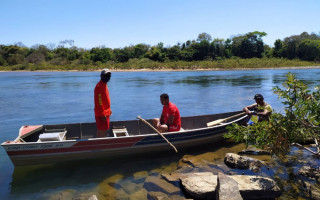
(121, 23)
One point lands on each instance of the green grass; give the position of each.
(137, 64)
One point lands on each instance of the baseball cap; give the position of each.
(258, 96)
(105, 72)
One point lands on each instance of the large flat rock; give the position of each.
(227, 188)
(203, 186)
(200, 185)
(256, 187)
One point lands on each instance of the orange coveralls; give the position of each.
(102, 105)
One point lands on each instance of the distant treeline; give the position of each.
(203, 50)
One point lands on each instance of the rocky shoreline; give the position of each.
(197, 177)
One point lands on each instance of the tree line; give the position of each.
(250, 45)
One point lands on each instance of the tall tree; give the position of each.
(204, 50)
(218, 48)
(277, 50)
(204, 36)
(174, 53)
(101, 54)
(290, 46)
(309, 50)
(140, 50)
(249, 46)
(228, 48)
(155, 54)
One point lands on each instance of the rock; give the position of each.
(177, 197)
(200, 185)
(203, 186)
(85, 196)
(157, 196)
(310, 172)
(242, 162)
(255, 187)
(185, 169)
(196, 161)
(113, 179)
(189, 161)
(121, 194)
(173, 177)
(200, 163)
(153, 183)
(140, 176)
(227, 188)
(107, 189)
(162, 196)
(210, 168)
(93, 197)
(67, 194)
(139, 194)
(169, 168)
(131, 187)
(312, 190)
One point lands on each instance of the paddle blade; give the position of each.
(215, 122)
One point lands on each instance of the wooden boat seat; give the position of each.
(120, 132)
(52, 136)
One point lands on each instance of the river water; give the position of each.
(31, 98)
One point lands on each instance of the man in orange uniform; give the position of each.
(102, 103)
(170, 117)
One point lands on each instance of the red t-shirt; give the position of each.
(101, 100)
(171, 109)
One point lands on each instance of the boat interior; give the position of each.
(75, 131)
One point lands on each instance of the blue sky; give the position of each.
(119, 23)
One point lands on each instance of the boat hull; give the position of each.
(31, 153)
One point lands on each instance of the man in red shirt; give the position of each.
(170, 117)
(102, 104)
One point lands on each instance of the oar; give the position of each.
(158, 133)
(218, 121)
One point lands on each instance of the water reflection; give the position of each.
(140, 82)
(309, 80)
(206, 81)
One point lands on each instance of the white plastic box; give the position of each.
(59, 136)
